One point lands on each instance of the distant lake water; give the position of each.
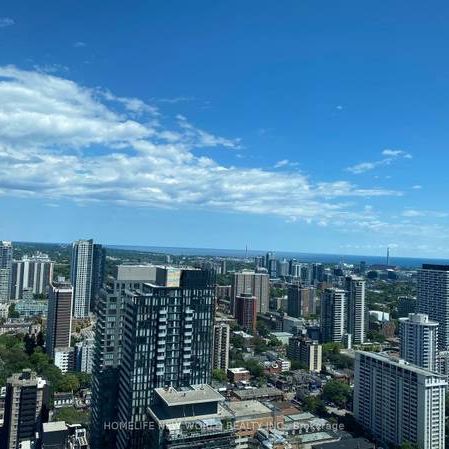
(406, 262)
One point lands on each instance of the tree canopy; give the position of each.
(337, 392)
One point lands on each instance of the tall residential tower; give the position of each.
(59, 318)
(356, 310)
(419, 340)
(397, 402)
(5, 270)
(333, 315)
(86, 274)
(249, 282)
(166, 338)
(433, 299)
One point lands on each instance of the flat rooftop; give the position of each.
(56, 426)
(193, 395)
(175, 423)
(238, 370)
(242, 409)
(386, 357)
(257, 393)
(429, 266)
(349, 443)
(312, 437)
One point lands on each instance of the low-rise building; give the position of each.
(236, 375)
(193, 418)
(282, 336)
(349, 443)
(62, 399)
(54, 435)
(271, 439)
(264, 393)
(250, 416)
(32, 308)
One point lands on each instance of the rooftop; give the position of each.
(194, 395)
(428, 266)
(282, 334)
(350, 443)
(420, 318)
(317, 436)
(238, 370)
(245, 408)
(257, 393)
(386, 357)
(55, 426)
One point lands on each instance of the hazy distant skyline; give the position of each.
(302, 126)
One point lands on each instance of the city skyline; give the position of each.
(300, 130)
(225, 225)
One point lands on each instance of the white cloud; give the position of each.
(62, 141)
(79, 44)
(389, 157)
(412, 213)
(424, 213)
(396, 154)
(6, 22)
(417, 187)
(51, 68)
(285, 163)
(175, 100)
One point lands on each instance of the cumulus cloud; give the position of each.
(389, 157)
(62, 141)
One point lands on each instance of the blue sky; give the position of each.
(298, 125)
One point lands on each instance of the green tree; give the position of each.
(30, 343)
(331, 348)
(274, 342)
(337, 392)
(40, 341)
(219, 375)
(254, 368)
(224, 279)
(373, 335)
(341, 361)
(296, 364)
(69, 382)
(72, 416)
(237, 341)
(315, 405)
(12, 313)
(259, 345)
(84, 379)
(262, 329)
